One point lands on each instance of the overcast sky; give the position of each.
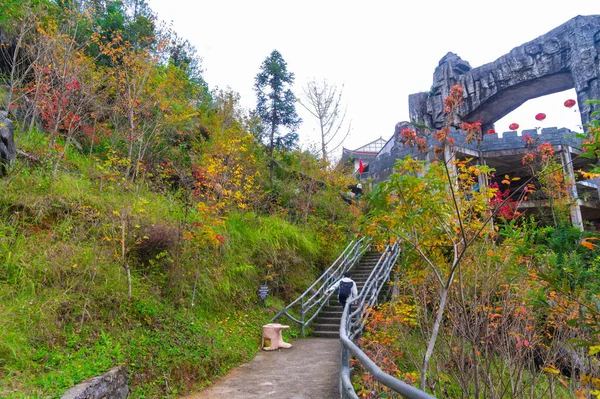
(382, 51)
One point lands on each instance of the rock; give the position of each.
(565, 57)
(112, 385)
(7, 142)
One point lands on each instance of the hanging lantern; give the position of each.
(541, 116)
(570, 103)
(513, 126)
(491, 131)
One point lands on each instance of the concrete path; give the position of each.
(308, 370)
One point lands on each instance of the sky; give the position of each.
(381, 51)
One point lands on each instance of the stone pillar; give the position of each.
(567, 163)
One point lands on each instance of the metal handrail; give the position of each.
(352, 324)
(311, 301)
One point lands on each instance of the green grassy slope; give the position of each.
(65, 311)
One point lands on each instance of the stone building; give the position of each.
(366, 153)
(564, 58)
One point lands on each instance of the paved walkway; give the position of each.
(308, 370)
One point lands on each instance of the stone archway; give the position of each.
(566, 57)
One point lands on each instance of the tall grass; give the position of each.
(65, 313)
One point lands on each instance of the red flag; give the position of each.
(361, 168)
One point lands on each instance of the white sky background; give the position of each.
(381, 50)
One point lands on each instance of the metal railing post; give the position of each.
(302, 317)
(351, 328)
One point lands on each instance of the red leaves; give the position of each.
(528, 140)
(454, 99)
(411, 139)
(506, 210)
(441, 135)
(528, 159)
(546, 151)
(473, 130)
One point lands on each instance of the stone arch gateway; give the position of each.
(566, 57)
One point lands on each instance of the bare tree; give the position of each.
(18, 55)
(324, 102)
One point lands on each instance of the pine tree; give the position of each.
(276, 104)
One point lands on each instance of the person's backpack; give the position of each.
(345, 289)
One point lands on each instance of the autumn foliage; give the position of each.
(496, 295)
(139, 210)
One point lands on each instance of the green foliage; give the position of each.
(275, 100)
(566, 261)
(65, 312)
(135, 227)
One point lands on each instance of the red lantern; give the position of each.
(570, 103)
(540, 117)
(513, 126)
(491, 131)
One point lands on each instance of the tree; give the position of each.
(457, 207)
(276, 102)
(323, 101)
(65, 85)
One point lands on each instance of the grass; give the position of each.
(65, 314)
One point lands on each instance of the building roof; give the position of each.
(367, 152)
(373, 146)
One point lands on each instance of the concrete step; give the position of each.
(327, 323)
(327, 327)
(327, 320)
(330, 315)
(326, 334)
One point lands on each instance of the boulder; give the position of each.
(112, 385)
(7, 142)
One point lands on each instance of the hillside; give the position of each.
(139, 217)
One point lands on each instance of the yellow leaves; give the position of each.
(551, 370)
(507, 179)
(587, 175)
(589, 245)
(594, 349)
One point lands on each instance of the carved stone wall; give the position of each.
(382, 166)
(566, 57)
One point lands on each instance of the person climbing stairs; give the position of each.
(327, 324)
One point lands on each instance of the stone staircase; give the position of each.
(327, 324)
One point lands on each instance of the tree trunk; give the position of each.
(271, 165)
(125, 263)
(61, 156)
(130, 149)
(323, 144)
(433, 337)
